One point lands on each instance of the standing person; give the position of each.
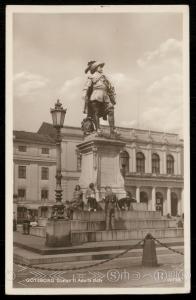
(99, 96)
(26, 223)
(111, 204)
(91, 197)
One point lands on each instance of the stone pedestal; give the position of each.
(58, 233)
(101, 165)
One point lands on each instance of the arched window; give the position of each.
(140, 162)
(155, 163)
(124, 162)
(170, 164)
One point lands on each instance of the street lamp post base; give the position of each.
(58, 233)
(58, 211)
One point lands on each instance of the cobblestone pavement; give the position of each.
(122, 273)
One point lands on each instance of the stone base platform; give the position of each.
(90, 226)
(30, 248)
(120, 225)
(22, 256)
(79, 237)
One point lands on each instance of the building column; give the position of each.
(178, 162)
(130, 160)
(138, 194)
(181, 203)
(169, 201)
(153, 203)
(149, 159)
(163, 162)
(134, 160)
(179, 207)
(164, 171)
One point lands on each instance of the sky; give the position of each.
(143, 59)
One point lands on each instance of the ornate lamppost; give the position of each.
(58, 116)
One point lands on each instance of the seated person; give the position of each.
(76, 203)
(91, 198)
(125, 203)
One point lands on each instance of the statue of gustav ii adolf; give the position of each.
(99, 99)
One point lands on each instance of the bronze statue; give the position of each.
(99, 99)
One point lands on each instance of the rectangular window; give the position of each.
(140, 166)
(45, 173)
(155, 170)
(44, 195)
(22, 148)
(44, 212)
(170, 167)
(21, 171)
(45, 150)
(21, 194)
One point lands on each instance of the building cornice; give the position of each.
(31, 159)
(30, 142)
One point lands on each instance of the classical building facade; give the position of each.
(151, 163)
(34, 171)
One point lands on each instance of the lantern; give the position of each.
(58, 115)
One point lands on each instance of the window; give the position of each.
(45, 173)
(21, 213)
(79, 161)
(22, 172)
(22, 148)
(124, 162)
(45, 150)
(140, 162)
(21, 194)
(170, 164)
(155, 163)
(44, 212)
(44, 195)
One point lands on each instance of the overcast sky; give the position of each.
(143, 56)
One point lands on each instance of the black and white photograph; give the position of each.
(97, 149)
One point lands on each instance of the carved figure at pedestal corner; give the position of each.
(99, 99)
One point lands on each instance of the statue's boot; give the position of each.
(96, 118)
(97, 124)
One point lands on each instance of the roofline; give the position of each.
(121, 127)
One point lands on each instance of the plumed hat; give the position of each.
(89, 65)
(94, 66)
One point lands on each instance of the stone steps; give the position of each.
(120, 224)
(125, 215)
(79, 237)
(96, 226)
(22, 256)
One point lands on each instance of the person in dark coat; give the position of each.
(26, 223)
(111, 204)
